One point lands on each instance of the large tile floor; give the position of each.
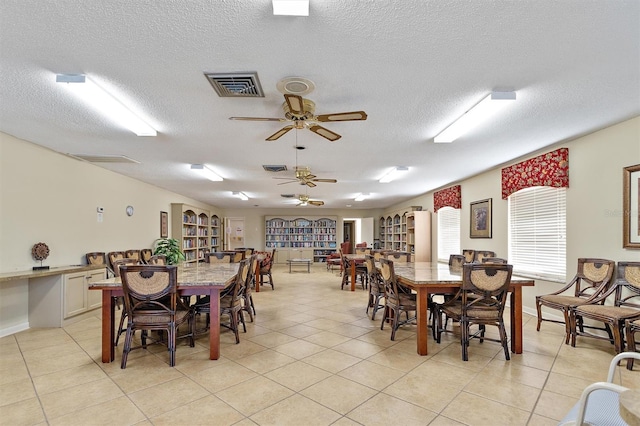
(312, 357)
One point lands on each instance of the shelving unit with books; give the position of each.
(305, 237)
(407, 230)
(191, 227)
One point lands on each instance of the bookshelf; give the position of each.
(191, 227)
(301, 237)
(409, 231)
(215, 233)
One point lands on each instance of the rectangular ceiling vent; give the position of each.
(236, 85)
(274, 168)
(104, 158)
(288, 195)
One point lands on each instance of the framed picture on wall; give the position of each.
(164, 225)
(631, 207)
(480, 216)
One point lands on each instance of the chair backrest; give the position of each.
(235, 301)
(96, 258)
(456, 260)
(236, 256)
(363, 250)
(158, 259)
(627, 285)
(481, 254)
(248, 251)
(593, 276)
(267, 262)
(145, 255)
(113, 256)
(488, 283)
(219, 257)
(389, 280)
(363, 244)
(493, 260)
(122, 262)
(345, 247)
(469, 255)
(398, 256)
(132, 254)
(146, 288)
(251, 275)
(377, 254)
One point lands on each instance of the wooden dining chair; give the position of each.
(145, 255)
(481, 254)
(398, 299)
(469, 255)
(133, 254)
(219, 257)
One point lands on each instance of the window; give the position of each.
(448, 233)
(537, 232)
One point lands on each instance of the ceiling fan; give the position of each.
(301, 112)
(304, 200)
(304, 177)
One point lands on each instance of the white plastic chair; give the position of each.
(599, 403)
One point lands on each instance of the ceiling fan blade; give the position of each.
(325, 180)
(295, 103)
(258, 119)
(316, 202)
(325, 133)
(309, 184)
(309, 177)
(342, 116)
(279, 133)
(284, 183)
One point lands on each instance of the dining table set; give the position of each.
(429, 278)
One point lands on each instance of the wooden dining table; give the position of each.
(427, 278)
(204, 279)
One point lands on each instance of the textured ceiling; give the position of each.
(413, 66)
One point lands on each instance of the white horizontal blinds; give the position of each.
(537, 232)
(448, 233)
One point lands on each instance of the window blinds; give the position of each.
(448, 232)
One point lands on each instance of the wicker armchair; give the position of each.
(220, 257)
(112, 256)
(631, 328)
(456, 261)
(133, 254)
(481, 300)
(481, 254)
(469, 255)
(361, 273)
(145, 255)
(265, 268)
(626, 306)
(96, 258)
(376, 286)
(398, 256)
(150, 298)
(592, 279)
(398, 299)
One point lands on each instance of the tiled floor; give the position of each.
(312, 357)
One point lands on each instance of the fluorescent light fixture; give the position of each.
(394, 174)
(291, 7)
(361, 197)
(479, 113)
(206, 172)
(240, 195)
(99, 99)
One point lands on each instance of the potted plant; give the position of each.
(170, 248)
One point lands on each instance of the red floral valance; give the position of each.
(550, 169)
(448, 197)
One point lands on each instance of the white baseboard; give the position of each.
(15, 329)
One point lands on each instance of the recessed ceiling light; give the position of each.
(206, 172)
(394, 174)
(291, 7)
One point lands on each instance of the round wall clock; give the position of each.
(129, 210)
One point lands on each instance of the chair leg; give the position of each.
(464, 338)
(395, 324)
(120, 327)
(503, 338)
(127, 347)
(376, 306)
(567, 326)
(631, 345)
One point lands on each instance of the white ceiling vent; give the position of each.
(274, 168)
(104, 158)
(236, 85)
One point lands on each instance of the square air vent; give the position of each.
(236, 85)
(274, 168)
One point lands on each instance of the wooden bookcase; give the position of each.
(407, 230)
(312, 237)
(216, 233)
(191, 226)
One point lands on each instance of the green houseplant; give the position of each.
(170, 248)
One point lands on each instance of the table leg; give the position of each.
(108, 313)
(422, 320)
(353, 275)
(214, 323)
(516, 320)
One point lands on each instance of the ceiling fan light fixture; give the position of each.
(94, 95)
(484, 109)
(394, 174)
(240, 195)
(361, 197)
(291, 7)
(205, 171)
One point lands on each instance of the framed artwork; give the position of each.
(631, 207)
(480, 215)
(164, 225)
